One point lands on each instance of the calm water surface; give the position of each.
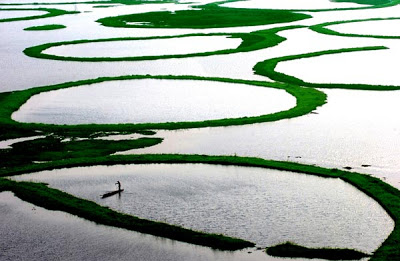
(29, 232)
(16, 14)
(353, 129)
(149, 100)
(134, 48)
(264, 206)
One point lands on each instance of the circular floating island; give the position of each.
(142, 48)
(153, 101)
(261, 205)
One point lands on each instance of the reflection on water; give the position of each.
(354, 128)
(264, 206)
(290, 4)
(29, 232)
(154, 47)
(357, 68)
(16, 14)
(149, 100)
(383, 27)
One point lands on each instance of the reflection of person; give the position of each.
(119, 185)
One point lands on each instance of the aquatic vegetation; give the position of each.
(250, 42)
(322, 28)
(387, 196)
(294, 251)
(267, 68)
(55, 148)
(307, 101)
(51, 12)
(41, 195)
(45, 27)
(52, 152)
(209, 16)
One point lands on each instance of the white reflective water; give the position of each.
(6, 144)
(151, 100)
(366, 67)
(354, 128)
(290, 4)
(152, 47)
(383, 27)
(33, 233)
(264, 206)
(17, 14)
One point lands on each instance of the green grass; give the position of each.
(366, 2)
(51, 12)
(295, 251)
(250, 42)
(322, 28)
(45, 27)
(53, 148)
(209, 16)
(267, 68)
(307, 100)
(387, 196)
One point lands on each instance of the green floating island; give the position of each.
(51, 12)
(322, 28)
(366, 2)
(41, 195)
(295, 251)
(209, 16)
(307, 100)
(267, 68)
(250, 42)
(45, 27)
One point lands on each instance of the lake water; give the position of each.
(362, 127)
(16, 14)
(358, 67)
(151, 100)
(383, 27)
(154, 47)
(261, 205)
(290, 4)
(29, 232)
(341, 134)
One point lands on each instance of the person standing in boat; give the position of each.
(119, 185)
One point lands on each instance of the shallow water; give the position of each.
(29, 232)
(151, 100)
(261, 205)
(154, 47)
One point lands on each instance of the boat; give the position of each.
(109, 194)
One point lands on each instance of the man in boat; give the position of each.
(119, 185)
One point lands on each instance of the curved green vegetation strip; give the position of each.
(209, 16)
(250, 42)
(53, 148)
(387, 196)
(295, 251)
(322, 28)
(366, 2)
(45, 27)
(267, 68)
(307, 100)
(41, 195)
(51, 12)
